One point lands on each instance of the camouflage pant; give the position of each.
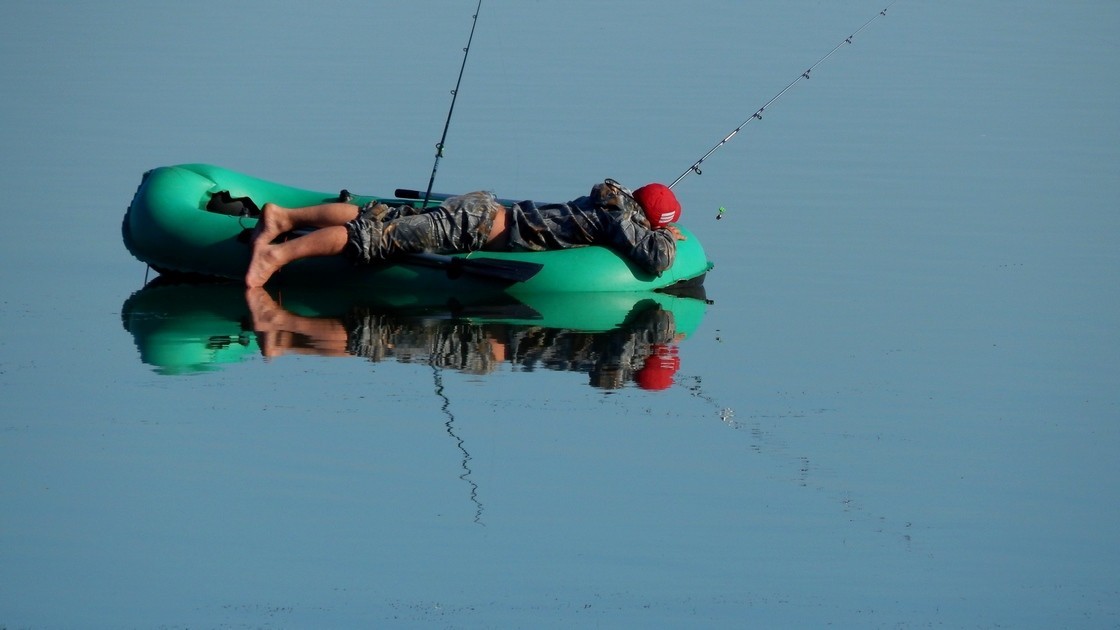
(459, 224)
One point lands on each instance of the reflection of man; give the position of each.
(643, 349)
(611, 359)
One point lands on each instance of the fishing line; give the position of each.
(454, 95)
(695, 168)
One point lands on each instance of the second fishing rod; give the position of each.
(757, 115)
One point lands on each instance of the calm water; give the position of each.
(901, 408)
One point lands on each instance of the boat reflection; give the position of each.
(617, 339)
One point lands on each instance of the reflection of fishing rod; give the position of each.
(695, 168)
(454, 95)
(446, 409)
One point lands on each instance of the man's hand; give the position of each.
(675, 232)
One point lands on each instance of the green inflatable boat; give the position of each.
(193, 219)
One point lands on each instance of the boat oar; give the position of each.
(408, 193)
(491, 268)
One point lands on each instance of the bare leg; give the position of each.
(276, 220)
(330, 239)
(268, 257)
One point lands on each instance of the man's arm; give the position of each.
(652, 250)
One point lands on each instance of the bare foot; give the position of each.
(262, 265)
(274, 221)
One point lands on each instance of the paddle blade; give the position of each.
(492, 268)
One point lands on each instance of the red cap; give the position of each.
(659, 203)
(658, 370)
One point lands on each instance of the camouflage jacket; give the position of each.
(609, 216)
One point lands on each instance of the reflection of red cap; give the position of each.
(659, 368)
(659, 203)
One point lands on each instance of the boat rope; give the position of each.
(454, 95)
(757, 115)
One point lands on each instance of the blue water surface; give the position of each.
(901, 408)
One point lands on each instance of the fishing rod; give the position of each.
(695, 168)
(454, 95)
